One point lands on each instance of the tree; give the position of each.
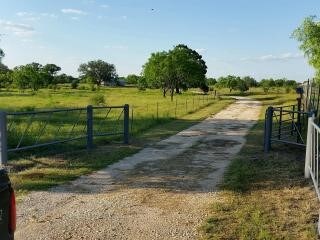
(64, 78)
(1, 54)
(28, 76)
(211, 81)
(179, 68)
(98, 72)
(49, 72)
(250, 81)
(266, 84)
(5, 79)
(279, 82)
(51, 69)
(132, 79)
(308, 34)
(154, 72)
(3, 68)
(142, 83)
(242, 85)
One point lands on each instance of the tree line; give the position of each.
(243, 84)
(171, 71)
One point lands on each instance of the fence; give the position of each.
(27, 130)
(285, 124)
(310, 96)
(288, 124)
(312, 156)
(151, 113)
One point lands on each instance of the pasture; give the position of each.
(152, 118)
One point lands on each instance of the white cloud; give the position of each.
(271, 57)
(73, 11)
(24, 14)
(104, 6)
(201, 50)
(50, 15)
(116, 47)
(27, 16)
(75, 18)
(18, 29)
(124, 17)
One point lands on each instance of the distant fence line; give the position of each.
(177, 108)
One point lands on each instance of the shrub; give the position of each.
(92, 87)
(74, 84)
(98, 100)
(82, 88)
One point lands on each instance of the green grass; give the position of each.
(43, 168)
(147, 109)
(264, 196)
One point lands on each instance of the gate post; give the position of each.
(3, 139)
(126, 124)
(308, 148)
(268, 129)
(299, 119)
(89, 127)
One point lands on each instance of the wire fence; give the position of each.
(150, 114)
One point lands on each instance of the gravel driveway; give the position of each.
(161, 192)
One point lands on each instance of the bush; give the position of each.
(142, 84)
(288, 89)
(98, 100)
(82, 88)
(204, 88)
(74, 84)
(92, 87)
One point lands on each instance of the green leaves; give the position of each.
(99, 72)
(178, 68)
(308, 34)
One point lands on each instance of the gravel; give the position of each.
(162, 192)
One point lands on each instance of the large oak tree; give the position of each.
(98, 72)
(179, 68)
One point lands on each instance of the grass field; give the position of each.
(155, 118)
(147, 108)
(264, 196)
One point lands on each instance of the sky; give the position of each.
(238, 37)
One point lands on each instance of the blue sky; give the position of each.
(241, 37)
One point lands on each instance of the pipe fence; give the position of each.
(28, 130)
(312, 156)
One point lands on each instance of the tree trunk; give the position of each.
(177, 90)
(171, 93)
(164, 92)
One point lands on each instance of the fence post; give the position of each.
(3, 139)
(193, 103)
(268, 129)
(157, 110)
(308, 148)
(186, 105)
(280, 123)
(175, 110)
(126, 124)
(89, 127)
(299, 119)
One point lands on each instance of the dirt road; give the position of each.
(162, 192)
